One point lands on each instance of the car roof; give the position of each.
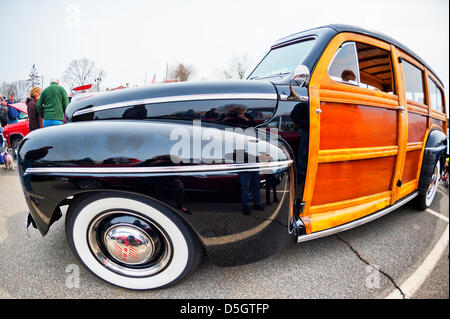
(339, 28)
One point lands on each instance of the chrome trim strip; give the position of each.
(161, 169)
(284, 97)
(357, 222)
(180, 98)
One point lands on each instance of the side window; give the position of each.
(363, 65)
(375, 68)
(413, 82)
(435, 96)
(344, 66)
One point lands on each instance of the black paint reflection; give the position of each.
(238, 112)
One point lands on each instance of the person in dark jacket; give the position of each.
(34, 122)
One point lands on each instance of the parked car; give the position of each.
(14, 133)
(360, 120)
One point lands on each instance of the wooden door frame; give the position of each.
(323, 88)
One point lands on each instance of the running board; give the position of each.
(357, 222)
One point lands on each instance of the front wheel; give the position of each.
(132, 242)
(15, 146)
(425, 200)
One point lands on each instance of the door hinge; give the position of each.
(400, 60)
(399, 183)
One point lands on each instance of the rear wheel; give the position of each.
(132, 242)
(425, 200)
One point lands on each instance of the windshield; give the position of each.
(282, 60)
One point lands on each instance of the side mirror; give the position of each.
(301, 76)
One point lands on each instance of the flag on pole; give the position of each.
(154, 79)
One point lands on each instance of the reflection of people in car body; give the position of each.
(212, 114)
(135, 113)
(236, 115)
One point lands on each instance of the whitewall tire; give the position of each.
(425, 200)
(131, 241)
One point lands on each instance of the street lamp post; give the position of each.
(98, 80)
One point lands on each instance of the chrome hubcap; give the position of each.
(129, 245)
(433, 183)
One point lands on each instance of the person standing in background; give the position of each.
(3, 118)
(13, 114)
(34, 122)
(52, 104)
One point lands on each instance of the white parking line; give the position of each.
(415, 281)
(432, 212)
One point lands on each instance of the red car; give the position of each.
(14, 133)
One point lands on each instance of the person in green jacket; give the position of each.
(52, 104)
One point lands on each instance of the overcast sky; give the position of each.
(131, 38)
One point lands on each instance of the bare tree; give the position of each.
(237, 67)
(5, 89)
(19, 88)
(81, 72)
(181, 72)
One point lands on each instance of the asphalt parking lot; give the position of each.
(375, 260)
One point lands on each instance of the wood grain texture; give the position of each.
(356, 126)
(338, 217)
(351, 154)
(361, 144)
(352, 179)
(417, 127)
(407, 188)
(411, 165)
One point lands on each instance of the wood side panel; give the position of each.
(338, 217)
(417, 127)
(352, 179)
(402, 119)
(350, 154)
(348, 203)
(411, 165)
(349, 180)
(355, 126)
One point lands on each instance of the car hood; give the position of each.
(22, 107)
(244, 89)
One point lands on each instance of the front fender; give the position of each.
(207, 191)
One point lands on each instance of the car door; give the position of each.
(357, 132)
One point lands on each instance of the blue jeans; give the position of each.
(250, 184)
(48, 123)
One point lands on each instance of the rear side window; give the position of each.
(413, 83)
(435, 96)
(364, 66)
